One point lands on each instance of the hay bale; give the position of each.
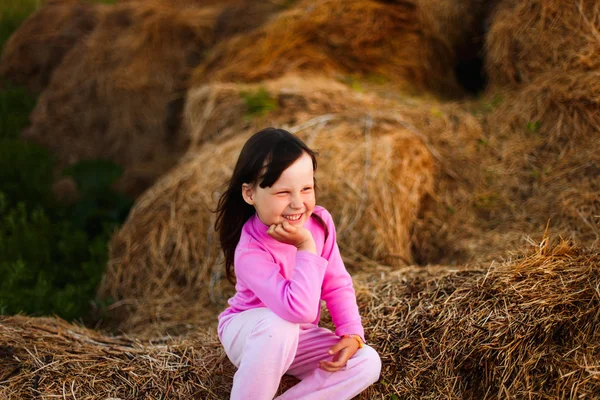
(528, 38)
(36, 49)
(374, 173)
(526, 159)
(109, 97)
(556, 120)
(526, 328)
(407, 43)
(47, 356)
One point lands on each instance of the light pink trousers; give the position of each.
(264, 346)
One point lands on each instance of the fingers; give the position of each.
(283, 230)
(336, 347)
(338, 362)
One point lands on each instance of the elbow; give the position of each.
(302, 315)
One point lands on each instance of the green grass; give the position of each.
(258, 103)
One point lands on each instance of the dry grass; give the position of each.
(403, 43)
(37, 48)
(109, 97)
(525, 328)
(528, 38)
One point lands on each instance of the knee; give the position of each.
(370, 365)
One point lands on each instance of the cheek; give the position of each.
(310, 200)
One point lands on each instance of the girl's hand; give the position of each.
(342, 351)
(296, 236)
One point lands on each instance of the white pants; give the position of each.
(264, 346)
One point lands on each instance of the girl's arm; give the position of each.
(295, 300)
(337, 289)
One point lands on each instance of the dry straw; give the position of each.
(374, 173)
(407, 43)
(527, 38)
(534, 161)
(37, 48)
(526, 328)
(109, 97)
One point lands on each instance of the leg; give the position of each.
(262, 346)
(360, 372)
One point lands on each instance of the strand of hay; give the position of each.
(527, 38)
(408, 43)
(108, 98)
(373, 175)
(39, 45)
(526, 328)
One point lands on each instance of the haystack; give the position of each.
(374, 173)
(109, 97)
(526, 328)
(526, 159)
(527, 38)
(36, 49)
(404, 43)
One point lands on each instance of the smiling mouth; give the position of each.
(295, 217)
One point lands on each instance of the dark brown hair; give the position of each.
(262, 160)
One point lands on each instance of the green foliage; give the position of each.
(53, 257)
(12, 15)
(15, 105)
(534, 126)
(259, 102)
(48, 266)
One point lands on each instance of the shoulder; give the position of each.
(322, 225)
(324, 214)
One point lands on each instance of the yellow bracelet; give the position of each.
(357, 338)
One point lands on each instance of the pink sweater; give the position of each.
(292, 283)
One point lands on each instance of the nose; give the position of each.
(296, 201)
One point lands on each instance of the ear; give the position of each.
(248, 193)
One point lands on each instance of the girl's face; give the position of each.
(291, 197)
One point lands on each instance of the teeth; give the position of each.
(292, 217)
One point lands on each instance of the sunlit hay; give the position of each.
(241, 16)
(38, 46)
(236, 16)
(557, 118)
(109, 97)
(373, 175)
(174, 312)
(49, 357)
(527, 38)
(405, 44)
(562, 106)
(525, 328)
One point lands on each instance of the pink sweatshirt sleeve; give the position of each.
(295, 300)
(337, 291)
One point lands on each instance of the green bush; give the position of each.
(52, 257)
(48, 266)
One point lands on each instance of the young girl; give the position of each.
(283, 250)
